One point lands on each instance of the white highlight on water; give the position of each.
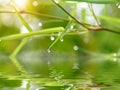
(48, 50)
(115, 54)
(75, 47)
(35, 3)
(76, 66)
(115, 57)
(40, 88)
(24, 83)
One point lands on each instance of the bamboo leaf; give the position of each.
(96, 1)
(62, 34)
(110, 22)
(23, 21)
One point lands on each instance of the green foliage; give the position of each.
(79, 41)
(96, 1)
(110, 22)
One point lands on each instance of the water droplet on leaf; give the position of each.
(39, 24)
(75, 47)
(61, 40)
(71, 27)
(52, 38)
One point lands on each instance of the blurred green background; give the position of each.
(78, 62)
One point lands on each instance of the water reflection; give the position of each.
(64, 72)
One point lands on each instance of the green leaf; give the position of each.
(111, 23)
(62, 33)
(96, 1)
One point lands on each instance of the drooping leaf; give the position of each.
(62, 33)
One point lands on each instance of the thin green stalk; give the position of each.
(82, 24)
(83, 15)
(105, 10)
(90, 28)
(93, 13)
(23, 20)
(16, 51)
(19, 47)
(37, 14)
(38, 32)
(32, 34)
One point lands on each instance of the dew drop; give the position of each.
(35, 3)
(39, 24)
(62, 40)
(52, 38)
(71, 27)
(75, 47)
(48, 50)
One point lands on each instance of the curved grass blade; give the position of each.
(25, 40)
(62, 34)
(23, 21)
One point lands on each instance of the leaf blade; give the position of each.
(96, 1)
